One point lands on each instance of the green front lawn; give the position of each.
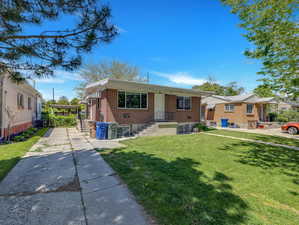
(261, 137)
(10, 154)
(207, 180)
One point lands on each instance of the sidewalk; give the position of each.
(63, 181)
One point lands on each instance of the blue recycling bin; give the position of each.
(101, 130)
(224, 122)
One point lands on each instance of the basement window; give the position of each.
(131, 100)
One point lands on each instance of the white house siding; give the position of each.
(24, 117)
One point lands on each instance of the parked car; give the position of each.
(291, 128)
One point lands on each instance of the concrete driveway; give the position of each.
(272, 131)
(64, 181)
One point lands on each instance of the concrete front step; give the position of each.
(160, 129)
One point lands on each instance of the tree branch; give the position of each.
(44, 36)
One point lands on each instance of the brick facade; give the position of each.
(108, 110)
(111, 112)
(182, 116)
(238, 116)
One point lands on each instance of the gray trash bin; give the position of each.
(112, 131)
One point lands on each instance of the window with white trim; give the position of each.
(131, 100)
(183, 103)
(229, 107)
(249, 108)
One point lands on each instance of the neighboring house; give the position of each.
(243, 111)
(20, 106)
(132, 103)
(284, 106)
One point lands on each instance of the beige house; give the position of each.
(20, 106)
(244, 111)
(284, 106)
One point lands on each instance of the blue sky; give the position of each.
(179, 43)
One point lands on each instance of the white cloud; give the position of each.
(181, 78)
(60, 77)
(66, 75)
(50, 80)
(120, 29)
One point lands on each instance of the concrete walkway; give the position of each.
(64, 181)
(255, 141)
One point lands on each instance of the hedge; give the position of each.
(62, 121)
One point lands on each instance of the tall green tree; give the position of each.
(75, 101)
(63, 100)
(264, 90)
(230, 89)
(115, 69)
(211, 85)
(272, 26)
(24, 49)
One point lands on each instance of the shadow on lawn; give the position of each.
(268, 157)
(177, 192)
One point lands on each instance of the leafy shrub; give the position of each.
(202, 127)
(273, 116)
(288, 116)
(25, 135)
(62, 121)
(32, 130)
(19, 138)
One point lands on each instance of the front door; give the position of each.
(159, 107)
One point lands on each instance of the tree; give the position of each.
(63, 100)
(272, 26)
(232, 88)
(264, 90)
(75, 101)
(40, 53)
(211, 85)
(115, 69)
(228, 90)
(11, 115)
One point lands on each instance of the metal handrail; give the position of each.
(164, 116)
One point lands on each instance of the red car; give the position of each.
(291, 128)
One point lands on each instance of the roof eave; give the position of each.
(135, 86)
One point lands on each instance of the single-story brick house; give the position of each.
(243, 111)
(133, 103)
(20, 106)
(285, 106)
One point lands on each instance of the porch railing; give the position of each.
(164, 116)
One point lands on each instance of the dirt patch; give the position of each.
(275, 204)
(278, 205)
(73, 186)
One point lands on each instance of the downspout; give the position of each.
(200, 109)
(2, 76)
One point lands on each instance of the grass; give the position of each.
(10, 154)
(261, 137)
(206, 180)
